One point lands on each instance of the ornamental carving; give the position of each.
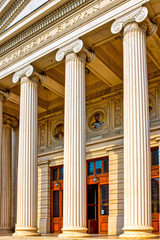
(117, 114)
(58, 132)
(97, 120)
(152, 103)
(42, 135)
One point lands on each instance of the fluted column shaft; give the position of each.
(27, 160)
(137, 165)
(74, 199)
(6, 182)
(15, 140)
(74, 145)
(136, 129)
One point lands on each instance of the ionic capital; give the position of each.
(30, 73)
(139, 15)
(7, 121)
(4, 95)
(76, 47)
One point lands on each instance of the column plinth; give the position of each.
(74, 199)
(137, 165)
(27, 158)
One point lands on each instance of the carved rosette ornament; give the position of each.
(137, 167)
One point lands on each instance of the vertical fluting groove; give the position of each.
(74, 144)
(27, 158)
(136, 129)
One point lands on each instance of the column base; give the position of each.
(74, 233)
(26, 232)
(141, 232)
(6, 231)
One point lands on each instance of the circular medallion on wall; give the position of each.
(97, 120)
(58, 132)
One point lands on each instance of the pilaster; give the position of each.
(116, 190)
(6, 183)
(5, 168)
(15, 143)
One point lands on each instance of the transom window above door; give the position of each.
(57, 174)
(97, 167)
(155, 156)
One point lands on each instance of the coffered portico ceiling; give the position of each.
(36, 38)
(94, 14)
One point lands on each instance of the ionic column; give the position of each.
(74, 199)
(5, 170)
(15, 140)
(27, 157)
(137, 166)
(6, 182)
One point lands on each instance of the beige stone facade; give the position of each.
(79, 83)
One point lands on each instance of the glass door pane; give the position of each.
(55, 203)
(105, 199)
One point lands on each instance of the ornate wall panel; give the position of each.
(104, 118)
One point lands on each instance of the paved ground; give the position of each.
(55, 237)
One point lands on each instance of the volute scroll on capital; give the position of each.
(30, 73)
(76, 46)
(139, 15)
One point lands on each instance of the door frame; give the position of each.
(155, 174)
(102, 179)
(53, 187)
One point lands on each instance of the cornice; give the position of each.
(43, 24)
(12, 12)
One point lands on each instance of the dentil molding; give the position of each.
(29, 72)
(12, 12)
(76, 47)
(139, 15)
(44, 23)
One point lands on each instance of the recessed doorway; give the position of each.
(97, 196)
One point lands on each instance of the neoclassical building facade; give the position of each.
(80, 118)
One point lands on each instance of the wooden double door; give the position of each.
(155, 188)
(97, 196)
(98, 208)
(56, 199)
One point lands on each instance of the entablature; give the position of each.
(61, 27)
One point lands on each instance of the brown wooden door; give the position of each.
(155, 188)
(92, 208)
(56, 200)
(103, 208)
(97, 196)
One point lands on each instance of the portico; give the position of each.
(84, 88)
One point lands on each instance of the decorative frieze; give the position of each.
(110, 110)
(92, 10)
(118, 113)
